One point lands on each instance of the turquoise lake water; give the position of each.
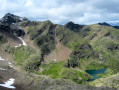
(94, 73)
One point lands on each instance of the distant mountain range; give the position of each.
(114, 23)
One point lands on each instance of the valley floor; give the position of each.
(27, 81)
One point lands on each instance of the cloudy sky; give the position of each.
(62, 11)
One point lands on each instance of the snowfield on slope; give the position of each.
(9, 83)
(1, 59)
(3, 69)
(22, 41)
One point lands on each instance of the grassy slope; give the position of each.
(106, 44)
(57, 70)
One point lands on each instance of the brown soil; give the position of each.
(13, 40)
(61, 52)
(29, 42)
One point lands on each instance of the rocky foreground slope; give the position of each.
(47, 56)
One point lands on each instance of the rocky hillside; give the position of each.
(59, 52)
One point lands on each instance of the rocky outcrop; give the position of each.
(104, 23)
(74, 27)
(11, 29)
(12, 19)
(2, 39)
(81, 51)
(94, 35)
(113, 46)
(8, 25)
(107, 34)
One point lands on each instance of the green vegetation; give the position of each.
(21, 54)
(7, 48)
(100, 75)
(82, 51)
(38, 28)
(3, 39)
(33, 63)
(68, 37)
(27, 58)
(95, 65)
(43, 36)
(57, 70)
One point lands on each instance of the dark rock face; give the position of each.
(2, 39)
(11, 19)
(48, 39)
(113, 46)
(104, 23)
(117, 27)
(94, 35)
(78, 29)
(8, 24)
(74, 27)
(107, 34)
(83, 51)
(17, 31)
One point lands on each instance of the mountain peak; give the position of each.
(104, 23)
(11, 18)
(9, 14)
(73, 26)
(70, 23)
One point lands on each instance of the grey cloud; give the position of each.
(107, 5)
(62, 11)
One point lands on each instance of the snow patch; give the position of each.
(9, 83)
(55, 60)
(9, 63)
(19, 44)
(3, 69)
(21, 18)
(16, 46)
(1, 59)
(22, 41)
